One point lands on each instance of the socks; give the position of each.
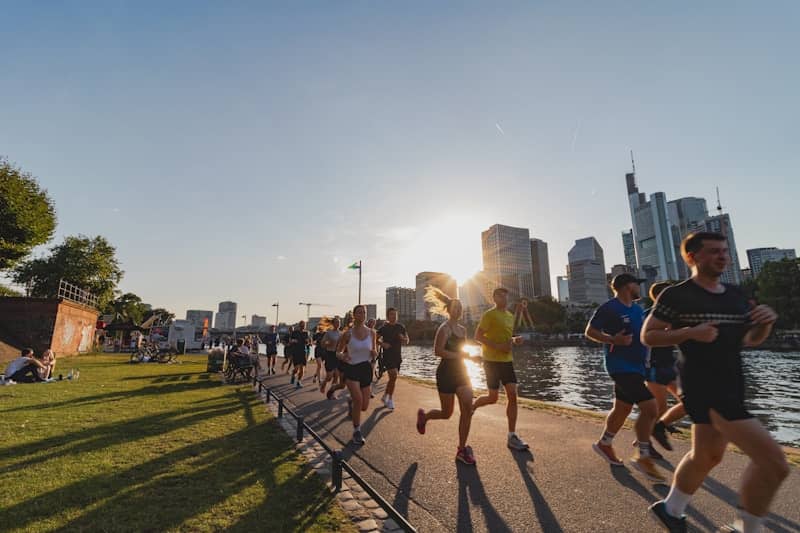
(607, 439)
(676, 502)
(511, 434)
(747, 523)
(356, 428)
(644, 449)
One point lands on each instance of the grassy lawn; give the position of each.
(151, 447)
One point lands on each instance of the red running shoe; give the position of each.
(421, 421)
(465, 455)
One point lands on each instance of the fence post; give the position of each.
(336, 471)
(280, 407)
(299, 429)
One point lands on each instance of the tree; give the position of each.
(165, 317)
(127, 308)
(88, 262)
(546, 313)
(7, 291)
(779, 287)
(27, 215)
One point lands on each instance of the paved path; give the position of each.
(561, 486)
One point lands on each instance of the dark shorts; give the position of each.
(629, 387)
(362, 372)
(698, 405)
(392, 361)
(331, 361)
(662, 375)
(299, 359)
(272, 350)
(318, 352)
(450, 375)
(499, 373)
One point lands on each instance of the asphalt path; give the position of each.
(560, 485)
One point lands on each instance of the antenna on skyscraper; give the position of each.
(633, 163)
(719, 204)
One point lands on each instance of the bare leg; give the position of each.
(511, 408)
(616, 417)
(659, 392)
(447, 401)
(708, 447)
(356, 398)
(486, 400)
(648, 413)
(392, 381)
(465, 414)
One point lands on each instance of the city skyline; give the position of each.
(256, 164)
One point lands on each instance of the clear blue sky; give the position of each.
(250, 151)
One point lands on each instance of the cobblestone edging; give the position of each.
(365, 512)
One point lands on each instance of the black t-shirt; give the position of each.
(713, 366)
(271, 340)
(391, 333)
(660, 356)
(302, 340)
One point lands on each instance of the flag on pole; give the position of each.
(355, 266)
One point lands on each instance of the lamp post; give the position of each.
(277, 306)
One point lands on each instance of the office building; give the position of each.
(476, 296)
(540, 263)
(404, 300)
(758, 257)
(372, 311)
(198, 317)
(226, 315)
(258, 321)
(722, 224)
(628, 248)
(563, 288)
(587, 272)
(441, 281)
(507, 259)
(686, 216)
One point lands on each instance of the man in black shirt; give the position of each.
(711, 322)
(391, 336)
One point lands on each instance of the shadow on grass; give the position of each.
(246, 477)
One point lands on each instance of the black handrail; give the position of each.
(337, 463)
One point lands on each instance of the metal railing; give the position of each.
(338, 465)
(68, 291)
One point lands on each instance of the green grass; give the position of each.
(151, 447)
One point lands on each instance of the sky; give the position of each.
(250, 151)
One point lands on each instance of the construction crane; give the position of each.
(308, 308)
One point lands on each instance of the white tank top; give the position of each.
(360, 350)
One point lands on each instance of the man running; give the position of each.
(271, 340)
(495, 335)
(288, 351)
(298, 341)
(329, 341)
(617, 325)
(391, 336)
(710, 322)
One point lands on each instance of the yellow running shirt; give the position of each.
(498, 326)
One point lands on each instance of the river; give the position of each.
(574, 376)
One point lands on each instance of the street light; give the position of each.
(277, 306)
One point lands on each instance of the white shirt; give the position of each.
(16, 365)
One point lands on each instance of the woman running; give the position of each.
(329, 341)
(452, 379)
(359, 341)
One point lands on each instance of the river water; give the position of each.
(574, 376)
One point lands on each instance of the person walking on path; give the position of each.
(662, 379)
(495, 334)
(617, 325)
(452, 379)
(391, 336)
(271, 341)
(359, 343)
(288, 351)
(298, 341)
(711, 321)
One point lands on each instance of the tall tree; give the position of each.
(88, 262)
(27, 215)
(127, 307)
(779, 287)
(164, 317)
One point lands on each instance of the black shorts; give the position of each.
(662, 375)
(629, 387)
(331, 361)
(299, 358)
(698, 404)
(362, 372)
(499, 372)
(392, 361)
(450, 375)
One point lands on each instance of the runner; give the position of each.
(329, 341)
(452, 379)
(371, 325)
(318, 351)
(711, 321)
(617, 325)
(359, 341)
(288, 350)
(298, 341)
(662, 378)
(271, 340)
(495, 335)
(391, 336)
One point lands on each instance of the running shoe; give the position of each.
(729, 528)
(607, 453)
(658, 512)
(645, 465)
(329, 394)
(389, 403)
(465, 455)
(292, 379)
(516, 443)
(653, 452)
(358, 438)
(673, 429)
(298, 385)
(660, 434)
(421, 421)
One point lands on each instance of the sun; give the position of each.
(449, 244)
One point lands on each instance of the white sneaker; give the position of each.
(390, 403)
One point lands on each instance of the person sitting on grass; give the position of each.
(24, 369)
(48, 359)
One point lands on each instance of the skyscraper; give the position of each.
(226, 315)
(258, 321)
(587, 272)
(563, 288)
(722, 224)
(372, 311)
(540, 263)
(652, 231)
(404, 300)
(441, 281)
(197, 317)
(758, 257)
(507, 259)
(628, 248)
(686, 215)
(476, 296)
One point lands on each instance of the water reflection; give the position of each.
(575, 376)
